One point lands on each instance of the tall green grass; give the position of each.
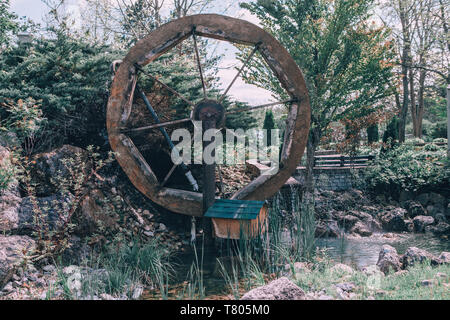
(289, 239)
(120, 269)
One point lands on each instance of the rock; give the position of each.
(388, 259)
(9, 211)
(346, 286)
(328, 228)
(393, 220)
(348, 221)
(423, 198)
(50, 165)
(325, 297)
(427, 283)
(420, 222)
(78, 250)
(9, 196)
(49, 268)
(440, 275)
(372, 270)
(137, 292)
(50, 209)
(444, 257)
(162, 227)
(437, 200)
(8, 288)
(105, 296)
(12, 251)
(440, 229)
(361, 229)
(296, 269)
(149, 234)
(405, 196)
(342, 269)
(414, 209)
(415, 255)
(95, 214)
(280, 289)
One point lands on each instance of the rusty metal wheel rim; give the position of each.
(162, 40)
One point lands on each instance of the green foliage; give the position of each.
(269, 124)
(409, 168)
(8, 172)
(23, 119)
(345, 60)
(52, 237)
(119, 270)
(70, 80)
(439, 130)
(8, 23)
(404, 286)
(372, 134)
(391, 133)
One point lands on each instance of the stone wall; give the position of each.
(335, 179)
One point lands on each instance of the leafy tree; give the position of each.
(372, 134)
(391, 133)
(8, 23)
(70, 80)
(345, 58)
(269, 124)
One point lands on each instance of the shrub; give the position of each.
(439, 130)
(70, 80)
(411, 168)
(440, 140)
(391, 132)
(372, 134)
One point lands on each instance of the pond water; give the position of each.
(362, 252)
(357, 252)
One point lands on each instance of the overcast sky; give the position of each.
(36, 10)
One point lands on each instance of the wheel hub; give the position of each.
(210, 110)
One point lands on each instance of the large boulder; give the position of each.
(415, 255)
(444, 257)
(361, 229)
(280, 289)
(9, 194)
(440, 229)
(12, 252)
(414, 209)
(95, 214)
(348, 221)
(328, 228)
(389, 260)
(51, 165)
(420, 222)
(9, 212)
(394, 220)
(9, 140)
(43, 212)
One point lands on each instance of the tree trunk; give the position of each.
(406, 63)
(421, 103)
(313, 143)
(413, 106)
(404, 106)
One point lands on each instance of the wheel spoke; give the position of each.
(169, 175)
(198, 62)
(159, 125)
(249, 58)
(261, 106)
(179, 95)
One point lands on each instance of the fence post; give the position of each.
(342, 160)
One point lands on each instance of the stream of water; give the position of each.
(357, 252)
(362, 252)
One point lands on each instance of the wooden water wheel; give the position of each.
(211, 112)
